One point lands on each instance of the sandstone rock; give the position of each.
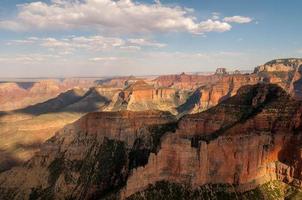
(13, 96)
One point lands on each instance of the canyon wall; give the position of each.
(245, 141)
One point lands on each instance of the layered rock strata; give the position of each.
(247, 140)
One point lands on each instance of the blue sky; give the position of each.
(124, 37)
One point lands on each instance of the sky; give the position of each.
(68, 38)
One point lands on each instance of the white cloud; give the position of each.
(145, 42)
(131, 47)
(114, 16)
(27, 58)
(93, 43)
(104, 59)
(238, 19)
(12, 25)
(215, 15)
(68, 45)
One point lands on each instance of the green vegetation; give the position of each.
(165, 191)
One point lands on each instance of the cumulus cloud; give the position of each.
(238, 19)
(114, 16)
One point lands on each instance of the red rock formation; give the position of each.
(246, 140)
(142, 96)
(13, 96)
(210, 95)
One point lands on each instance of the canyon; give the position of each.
(250, 139)
(227, 134)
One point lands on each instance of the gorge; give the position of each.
(220, 136)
